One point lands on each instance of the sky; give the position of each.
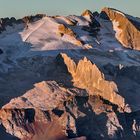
(21, 8)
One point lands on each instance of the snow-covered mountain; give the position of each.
(126, 28)
(80, 73)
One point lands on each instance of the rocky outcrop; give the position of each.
(43, 90)
(88, 15)
(74, 111)
(30, 19)
(11, 21)
(86, 75)
(31, 123)
(126, 32)
(91, 17)
(63, 30)
(41, 105)
(94, 25)
(28, 117)
(7, 21)
(33, 18)
(52, 112)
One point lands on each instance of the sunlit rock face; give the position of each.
(91, 18)
(125, 26)
(62, 113)
(88, 15)
(64, 31)
(44, 106)
(86, 75)
(4, 22)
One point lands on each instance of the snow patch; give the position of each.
(119, 12)
(116, 29)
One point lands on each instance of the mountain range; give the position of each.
(70, 77)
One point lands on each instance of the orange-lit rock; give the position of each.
(65, 30)
(86, 75)
(126, 32)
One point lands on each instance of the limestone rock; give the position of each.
(87, 75)
(47, 92)
(62, 114)
(65, 30)
(42, 104)
(126, 32)
(22, 112)
(88, 15)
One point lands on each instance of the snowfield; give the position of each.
(42, 38)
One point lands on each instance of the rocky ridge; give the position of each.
(86, 75)
(4, 22)
(126, 32)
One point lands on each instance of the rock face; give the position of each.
(25, 122)
(33, 18)
(22, 121)
(126, 32)
(86, 75)
(88, 15)
(73, 115)
(64, 31)
(23, 114)
(91, 17)
(4, 22)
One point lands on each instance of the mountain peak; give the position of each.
(115, 11)
(125, 27)
(87, 14)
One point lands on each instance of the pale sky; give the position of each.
(20, 8)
